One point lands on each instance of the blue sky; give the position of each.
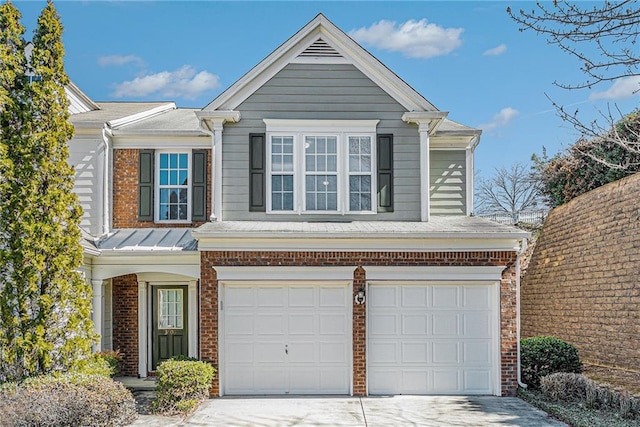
(467, 58)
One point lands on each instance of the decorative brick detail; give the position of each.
(582, 283)
(125, 192)
(125, 321)
(508, 321)
(359, 336)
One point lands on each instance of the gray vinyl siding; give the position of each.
(320, 91)
(448, 182)
(86, 155)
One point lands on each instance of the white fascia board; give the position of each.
(433, 273)
(164, 141)
(278, 273)
(355, 244)
(158, 132)
(114, 265)
(287, 53)
(78, 93)
(134, 118)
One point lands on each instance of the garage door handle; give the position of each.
(286, 349)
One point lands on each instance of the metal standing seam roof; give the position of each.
(177, 120)
(111, 111)
(149, 239)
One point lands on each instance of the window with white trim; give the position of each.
(320, 166)
(173, 189)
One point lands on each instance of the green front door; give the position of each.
(169, 323)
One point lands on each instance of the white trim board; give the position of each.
(431, 274)
(278, 273)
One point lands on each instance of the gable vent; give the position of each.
(321, 48)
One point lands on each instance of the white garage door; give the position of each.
(431, 339)
(286, 339)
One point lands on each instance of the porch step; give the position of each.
(138, 384)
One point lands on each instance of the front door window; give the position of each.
(170, 306)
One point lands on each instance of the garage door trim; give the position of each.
(495, 318)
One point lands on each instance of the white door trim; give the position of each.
(222, 285)
(432, 273)
(265, 274)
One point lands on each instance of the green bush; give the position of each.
(541, 356)
(113, 358)
(93, 365)
(182, 386)
(71, 399)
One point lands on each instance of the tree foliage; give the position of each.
(587, 164)
(510, 190)
(45, 303)
(612, 28)
(603, 37)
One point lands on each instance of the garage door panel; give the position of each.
(242, 297)
(240, 352)
(383, 297)
(335, 380)
(477, 324)
(476, 352)
(270, 324)
(416, 297)
(273, 297)
(332, 297)
(333, 324)
(476, 381)
(384, 324)
(446, 352)
(445, 324)
(333, 352)
(267, 353)
(415, 324)
(270, 381)
(302, 324)
(239, 324)
(431, 338)
(302, 297)
(476, 297)
(415, 352)
(444, 297)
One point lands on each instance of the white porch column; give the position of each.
(98, 308)
(216, 153)
(193, 318)
(212, 122)
(142, 329)
(425, 170)
(428, 122)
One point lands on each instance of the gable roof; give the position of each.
(321, 39)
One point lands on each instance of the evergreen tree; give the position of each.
(46, 303)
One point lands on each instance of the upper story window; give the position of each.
(174, 199)
(320, 166)
(172, 185)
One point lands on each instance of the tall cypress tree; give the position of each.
(46, 301)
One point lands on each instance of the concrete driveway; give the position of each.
(369, 411)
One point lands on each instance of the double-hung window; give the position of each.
(320, 166)
(173, 192)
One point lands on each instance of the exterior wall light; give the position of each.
(360, 297)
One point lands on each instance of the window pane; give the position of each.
(321, 192)
(184, 174)
(184, 161)
(164, 212)
(173, 177)
(282, 192)
(360, 193)
(164, 161)
(173, 161)
(332, 145)
(164, 177)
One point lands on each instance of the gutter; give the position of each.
(106, 138)
(519, 367)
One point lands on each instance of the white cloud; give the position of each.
(183, 82)
(117, 60)
(500, 119)
(415, 39)
(622, 88)
(498, 50)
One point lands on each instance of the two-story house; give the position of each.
(308, 232)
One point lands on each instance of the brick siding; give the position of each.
(508, 321)
(125, 192)
(582, 283)
(125, 321)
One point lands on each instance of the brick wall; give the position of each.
(125, 321)
(125, 191)
(583, 280)
(209, 296)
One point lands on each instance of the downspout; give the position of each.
(106, 203)
(523, 249)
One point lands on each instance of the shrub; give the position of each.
(571, 387)
(542, 356)
(67, 400)
(182, 386)
(113, 358)
(93, 365)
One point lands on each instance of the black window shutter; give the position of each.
(199, 185)
(145, 185)
(257, 172)
(385, 173)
